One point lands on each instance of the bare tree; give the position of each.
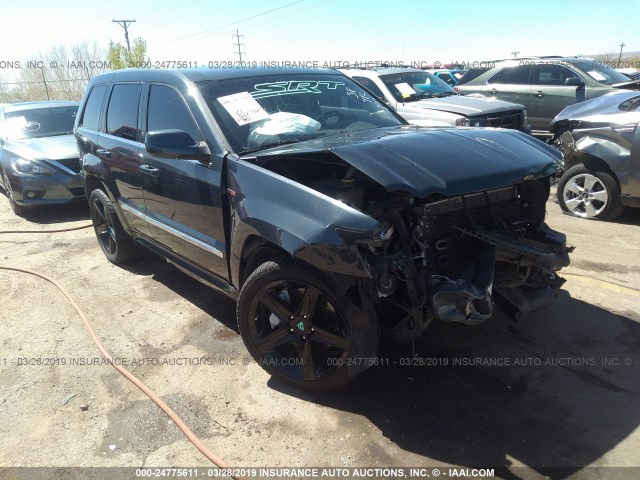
(60, 73)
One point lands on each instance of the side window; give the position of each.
(512, 75)
(168, 110)
(446, 77)
(91, 114)
(122, 112)
(552, 74)
(370, 84)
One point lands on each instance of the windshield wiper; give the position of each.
(444, 94)
(268, 145)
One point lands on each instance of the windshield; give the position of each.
(39, 122)
(261, 111)
(416, 85)
(599, 71)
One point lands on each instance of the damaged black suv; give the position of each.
(326, 216)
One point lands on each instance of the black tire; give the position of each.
(589, 193)
(300, 331)
(116, 244)
(17, 209)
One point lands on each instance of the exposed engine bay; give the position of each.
(445, 257)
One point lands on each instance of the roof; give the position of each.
(208, 74)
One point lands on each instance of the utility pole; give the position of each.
(238, 44)
(44, 80)
(125, 24)
(515, 54)
(622, 45)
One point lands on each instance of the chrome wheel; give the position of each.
(585, 195)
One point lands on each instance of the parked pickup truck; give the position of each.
(325, 215)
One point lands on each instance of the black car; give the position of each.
(326, 215)
(600, 140)
(38, 155)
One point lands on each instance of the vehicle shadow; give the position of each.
(212, 303)
(630, 216)
(570, 399)
(57, 214)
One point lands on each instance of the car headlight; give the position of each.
(462, 122)
(31, 167)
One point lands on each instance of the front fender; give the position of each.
(311, 227)
(595, 143)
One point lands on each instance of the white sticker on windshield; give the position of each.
(243, 108)
(405, 89)
(597, 75)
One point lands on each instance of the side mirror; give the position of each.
(574, 82)
(174, 143)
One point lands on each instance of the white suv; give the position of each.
(423, 99)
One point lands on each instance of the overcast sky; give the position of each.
(326, 30)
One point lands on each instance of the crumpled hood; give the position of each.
(460, 104)
(630, 85)
(600, 109)
(60, 147)
(425, 161)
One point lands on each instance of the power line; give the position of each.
(125, 24)
(236, 22)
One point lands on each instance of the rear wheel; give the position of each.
(587, 193)
(298, 329)
(114, 241)
(17, 209)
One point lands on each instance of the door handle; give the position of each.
(103, 152)
(539, 94)
(149, 170)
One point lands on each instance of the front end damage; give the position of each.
(451, 258)
(453, 240)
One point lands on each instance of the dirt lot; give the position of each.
(563, 389)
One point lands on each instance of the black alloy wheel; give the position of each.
(296, 327)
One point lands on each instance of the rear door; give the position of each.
(510, 84)
(550, 95)
(119, 148)
(182, 195)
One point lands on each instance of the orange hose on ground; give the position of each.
(49, 231)
(147, 391)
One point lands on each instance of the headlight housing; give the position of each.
(31, 167)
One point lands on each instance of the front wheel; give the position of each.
(299, 330)
(587, 193)
(116, 244)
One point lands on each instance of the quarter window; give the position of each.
(91, 115)
(122, 112)
(168, 110)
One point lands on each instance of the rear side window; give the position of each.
(168, 110)
(513, 75)
(122, 112)
(91, 115)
